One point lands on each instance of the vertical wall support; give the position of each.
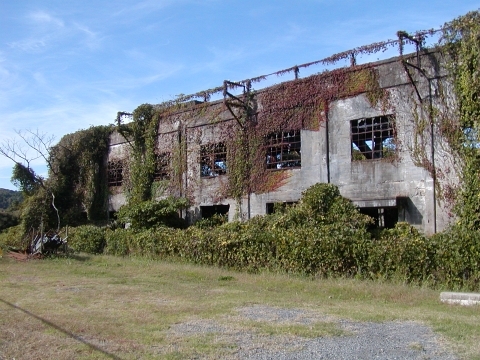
(417, 40)
(244, 117)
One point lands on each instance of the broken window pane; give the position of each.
(213, 160)
(115, 173)
(162, 166)
(283, 150)
(373, 138)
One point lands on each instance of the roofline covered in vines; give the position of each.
(417, 39)
(185, 103)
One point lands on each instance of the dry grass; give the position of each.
(106, 307)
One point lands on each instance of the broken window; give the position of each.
(162, 166)
(213, 160)
(373, 138)
(115, 173)
(283, 150)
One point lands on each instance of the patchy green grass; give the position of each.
(129, 308)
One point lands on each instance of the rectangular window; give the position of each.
(283, 150)
(115, 173)
(213, 160)
(373, 138)
(162, 166)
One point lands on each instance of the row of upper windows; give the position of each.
(371, 138)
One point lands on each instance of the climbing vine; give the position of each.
(77, 174)
(142, 135)
(461, 44)
(450, 113)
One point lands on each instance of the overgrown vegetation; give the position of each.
(76, 186)
(324, 235)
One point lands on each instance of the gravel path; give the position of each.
(361, 340)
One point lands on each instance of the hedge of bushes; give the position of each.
(324, 235)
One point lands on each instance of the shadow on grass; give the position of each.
(73, 336)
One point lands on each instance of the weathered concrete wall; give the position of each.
(326, 155)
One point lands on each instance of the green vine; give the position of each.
(461, 43)
(454, 117)
(142, 135)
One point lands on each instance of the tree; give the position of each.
(34, 146)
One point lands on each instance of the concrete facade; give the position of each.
(390, 189)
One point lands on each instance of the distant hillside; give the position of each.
(7, 197)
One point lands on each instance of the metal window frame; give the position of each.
(210, 155)
(369, 130)
(283, 150)
(115, 173)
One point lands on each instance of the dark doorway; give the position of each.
(208, 211)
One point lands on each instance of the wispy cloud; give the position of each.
(46, 30)
(145, 6)
(44, 18)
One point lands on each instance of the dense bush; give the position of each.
(402, 253)
(87, 238)
(323, 235)
(457, 257)
(153, 213)
(13, 237)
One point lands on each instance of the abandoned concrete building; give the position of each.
(360, 139)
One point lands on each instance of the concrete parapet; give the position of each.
(460, 298)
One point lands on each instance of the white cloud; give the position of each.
(30, 44)
(44, 18)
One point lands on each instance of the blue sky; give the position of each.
(67, 65)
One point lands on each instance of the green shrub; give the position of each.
(14, 237)
(323, 235)
(211, 222)
(87, 238)
(153, 213)
(402, 253)
(457, 257)
(117, 241)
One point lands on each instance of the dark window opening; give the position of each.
(208, 211)
(283, 150)
(213, 160)
(373, 138)
(273, 208)
(115, 173)
(162, 167)
(385, 218)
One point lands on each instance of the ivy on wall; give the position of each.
(77, 174)
(451, 115)
(461, 44)
(142, 135)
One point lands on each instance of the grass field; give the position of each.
(88, 307)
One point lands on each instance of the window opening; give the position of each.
(115, 173)
(384, 217)
(208, 211)
(162, 167)
(273, 208)
(373, 138)
(283, 150)
(213, 160)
